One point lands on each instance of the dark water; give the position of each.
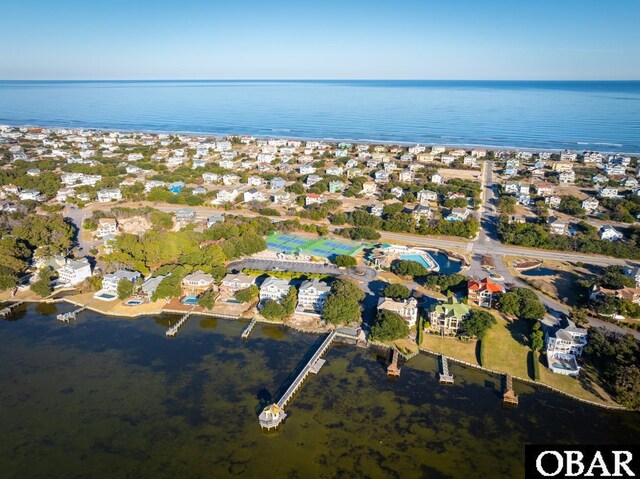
(447, 266)
(540, 271)
(114, 398)
(538, 114)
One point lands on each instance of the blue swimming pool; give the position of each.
(190, 300)
(447, 266)
(417, 258)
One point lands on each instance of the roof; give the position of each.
(452, 308)
(485, 285)
(317, 284)
(198, 276)
(239, 278)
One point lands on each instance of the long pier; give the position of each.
(173, 330)
(509, 397)
(273, 415)
(248, 329)
(6, 311)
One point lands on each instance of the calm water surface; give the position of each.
(574, 115)
(108, 397)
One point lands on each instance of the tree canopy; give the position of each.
(389, 325)
(478, 323)
(522, 303)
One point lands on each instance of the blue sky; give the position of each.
(341, 39)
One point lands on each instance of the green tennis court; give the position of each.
(322, 247)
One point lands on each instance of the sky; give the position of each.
(328, 39)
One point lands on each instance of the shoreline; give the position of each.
(579, 146)
(421, 350)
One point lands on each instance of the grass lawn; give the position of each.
(507, 350)
(466, 351)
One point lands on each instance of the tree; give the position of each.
(507, 204)
(207, 300)
(345, 261)
(339, 218)
(579, 316)
(248, 294)
(125, 288)
(342, 306)
(403, 267)
(478, 323)
(273, 310)
(389, 326)
(537, 337)
(522, 303)
(614, 278)
(42, 287)
(396, 291)
(290, 301)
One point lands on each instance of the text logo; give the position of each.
(581, 461)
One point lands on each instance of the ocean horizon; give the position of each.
(540, 115)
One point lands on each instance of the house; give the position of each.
(437, 179)
(307, 170)
(214, 219)
(64, 193)
(483, 292)
(106, 226)
(615, 170)
(544, 189)
(312, 180)
(609, 233)
(630, 182)
(557, 227)
(406, 176)
(553, 201)
(314, 199)
(376, 209)
(230, 179)
(110, 281)
(284, 199)
(590, 205)
(564, 342)
(33, 172)
(199, 190)
(149, 286)
(210, 177)
(107, 195)
(458, 214)
(225, 196)
(425, 196)
(74, 272)
(277, 183)
(274, 289)
(446, 317)
(254, 195)
(608, 192)
(511, 187)
(185, 215)
(369, 188)
(381, 176)
(336, 186)
(598, 179)
(254, 181)
(195, 284)
(567, 177)
(232, 283)
(396, 191)
(420, 213)
(407, 308)
(29, 194)
(335, 171)
(524, 189)
(562, 166)
(312, 295)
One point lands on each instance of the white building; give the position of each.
(609, 233)
(75, 272)
(312, 295)
(107, 195)
(407, 308)
(110, 281)
(564, 342)
(30, 194)
(274, 289)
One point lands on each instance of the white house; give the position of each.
(30, 194)
(425, 196)
(437, 179)
(567, 177)
(407, 308)
(110, 281)
(609, 233)
(107, 195)
(106, 226)
(590, 205)
(225, 196)
(608, 192)
(563, 343)
(312, 295)
(254, 195)
(74, 271)
(232, 283)
(273, 288)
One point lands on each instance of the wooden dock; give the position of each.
(509, 396)
(393, 369)
(173, 330)
(248, 329)
(445, 376)
(70, 315)
(6, 311)
(273, 415)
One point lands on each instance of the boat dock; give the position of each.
(393, 369)
(248, 329)
(273, 415)
(445, 376)
(6, 311)
(70, 315)
(509, 397)
(173, 330)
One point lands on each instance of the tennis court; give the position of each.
(322, 247)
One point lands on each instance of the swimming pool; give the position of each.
(133, 302)
(190, 300)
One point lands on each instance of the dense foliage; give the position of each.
(342, 306)
(478, 323)
(522, 303)
(388, 326)
(396, 291)
(248, 294)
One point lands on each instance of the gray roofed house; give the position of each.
(215, 218)
(151, 284)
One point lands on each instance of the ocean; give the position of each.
(571, 115)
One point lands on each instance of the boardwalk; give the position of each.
(7, 311)
(445, 377)
(509, 397)
(66, 317)
(248, 329)
(273, 415)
